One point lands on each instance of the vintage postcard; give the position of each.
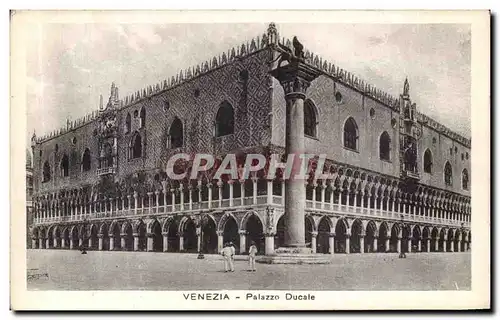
(331, 160)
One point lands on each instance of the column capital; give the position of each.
(150, 234)
(270, 234)
(331, 234)
(135, 235)
(165, 234)
(220, 233)
(242, 232)
(295, 78)
(314, 234)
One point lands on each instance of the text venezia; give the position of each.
(248, 296)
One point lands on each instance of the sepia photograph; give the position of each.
(271, 161)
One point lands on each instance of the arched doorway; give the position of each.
(394, 238)
(434, 240)
(382, 238)
(141, 232)
(190, 238)
(255, 233)
(129, 238)
(66, 238)
(309, 229)
(371, 233)
(356, 232)
(406, 239)
(157, 236)
(116, 237)
(231, 233)
(323, 242)
(279, 240)
(442, 240)
(209, 236)
(57, 238)
(425, 235)
(451, 239)
(93, 237)
(105, 236)
(340, 236)
(173, 237)
(416, 237)
(74, 237)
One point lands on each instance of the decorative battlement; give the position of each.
(271, 38)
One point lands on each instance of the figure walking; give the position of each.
(251, 256)
(227, 253)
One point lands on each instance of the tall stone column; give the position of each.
(314, 236)
(100, 242)
(33, 244)
(362, 243)
(165, 241)
(419, 248)
(71, 244)
(295, 78)
(409, 245)
(269, 243)
(243, 241)
(375, 244)
(386, 246)
(331, 243)
(428, 245)
(123, 241)
(399, 245)
(63, 243)
(181, 243)
(150, 241)
(136, 242)
(111, 243)
(348, 243)
(436, 244)
(220, 239)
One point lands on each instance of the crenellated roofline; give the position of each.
(245, 49)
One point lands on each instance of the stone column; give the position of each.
(80, 242)
(242, 191)
(190, 192)
(399, 245)
(90, 242)
(419, 245)
(452, 246)
(198, 237)
(347, 244)
(323, 190)
(219, 187)
(165, 241)
(181, 243)
(150, 242)
(436, 244)
(63, 243)
(314, 236)
(375, 244)
(331, 243)
(71, 244)
(136, 242)
(362, 243)
(409, 245)
(269, 243)
(220, 240)
(386, 245)
(254, 190)
(243, 243)
(295, 78)
(428, 245)
(111, 243)
(33, 243)
(157, 193)
(135, 202)
(123, 241)
(172, 193)
(181, 190)
(150, 201)
(269, 191)
(209, 186)
(100, 241)
(231, 193)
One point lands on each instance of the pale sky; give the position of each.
(69, 65)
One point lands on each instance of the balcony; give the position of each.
(104, 171)
(262, 201)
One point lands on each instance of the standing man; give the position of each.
(227, 253)
(251, 256)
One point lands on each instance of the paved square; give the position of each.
(103, 270)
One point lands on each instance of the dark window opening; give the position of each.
(136, 147)
(448, 178)
(65, 166)
(385, 146)
(128, 123)
(428, 161)
(224, 121)
(465, 179)
(176, 134)
(46, 172)
(351, 134)
(310, 121)
(86, 161)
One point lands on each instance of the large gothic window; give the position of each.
(128, 123)
(86, 161)
(385, 146)
(143, 117)
(448, 174)
(136, 146)
(310, 121)
(465, 179)
(224, 121)
(428, 161)
(176, 134)
(351, 134)
(65, 166)
(46, 172)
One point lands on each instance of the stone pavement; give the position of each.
(104, 270)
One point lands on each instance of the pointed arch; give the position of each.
(351, 134)
(224, 120)
(428, 161)
(128, 123)
(65, 166)
(448, 174)
(142, 116)
(465, 179)
(385, 146)
(310, 119)
(176, 134)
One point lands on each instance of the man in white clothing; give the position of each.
(228, 253)
(251, 256)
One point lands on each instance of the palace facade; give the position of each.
(400, 180)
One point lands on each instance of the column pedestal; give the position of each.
(269, 242)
